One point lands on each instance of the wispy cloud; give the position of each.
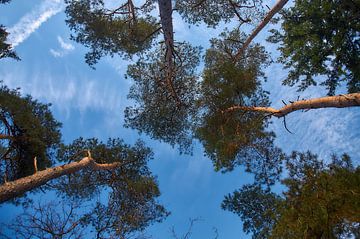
(30, 22)
(65, 48)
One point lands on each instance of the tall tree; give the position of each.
(118, 169)
(28, 132)
(31, 140)
(229, 138)
(321, 38)
(236, 138)
(124, 174)
(321, 201)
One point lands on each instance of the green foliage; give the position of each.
(321, 38)
(109, 32)
(236, 137)
(28, 130)
(5, 48)
(132, 189)
(321, 201)
(256, 207)
(212, 12)
(157, 112)
(231, 138)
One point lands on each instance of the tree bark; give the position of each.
(16, 188)
(278, 6)
(339, 101)
(165, 8)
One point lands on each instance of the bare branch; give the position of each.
(339, 101)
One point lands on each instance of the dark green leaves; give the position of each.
(5, 48)
(165, 108)
(132, 190)
(256, 208)
(110, 31)
(212, 12)
(320, 201)
(321, 38)
(29, 130)
(232, 138)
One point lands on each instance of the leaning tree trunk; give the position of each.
(278, 6)
(10, 190)
(165, 8)
(339, 101)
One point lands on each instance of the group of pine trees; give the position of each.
(224, 107)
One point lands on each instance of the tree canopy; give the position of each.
(165, 114)
(132, 189)
(320, 201)
(124, 29)
(30, 141)
(175, 109)
(236, 138)
(28, 130)
(321, 38)
(6, 48)
(224, 106)
(212, 12)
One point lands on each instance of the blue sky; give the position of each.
(90, 103)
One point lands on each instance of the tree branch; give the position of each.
(339, 101)
(18, 187)
(278, 6)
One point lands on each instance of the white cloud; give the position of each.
(30, 22)
(56, 53)
(65, 48)
(64, 45)
(69, 90)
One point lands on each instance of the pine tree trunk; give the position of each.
(278, 6)
(16, 188)
(339, 101)
(165, 8)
